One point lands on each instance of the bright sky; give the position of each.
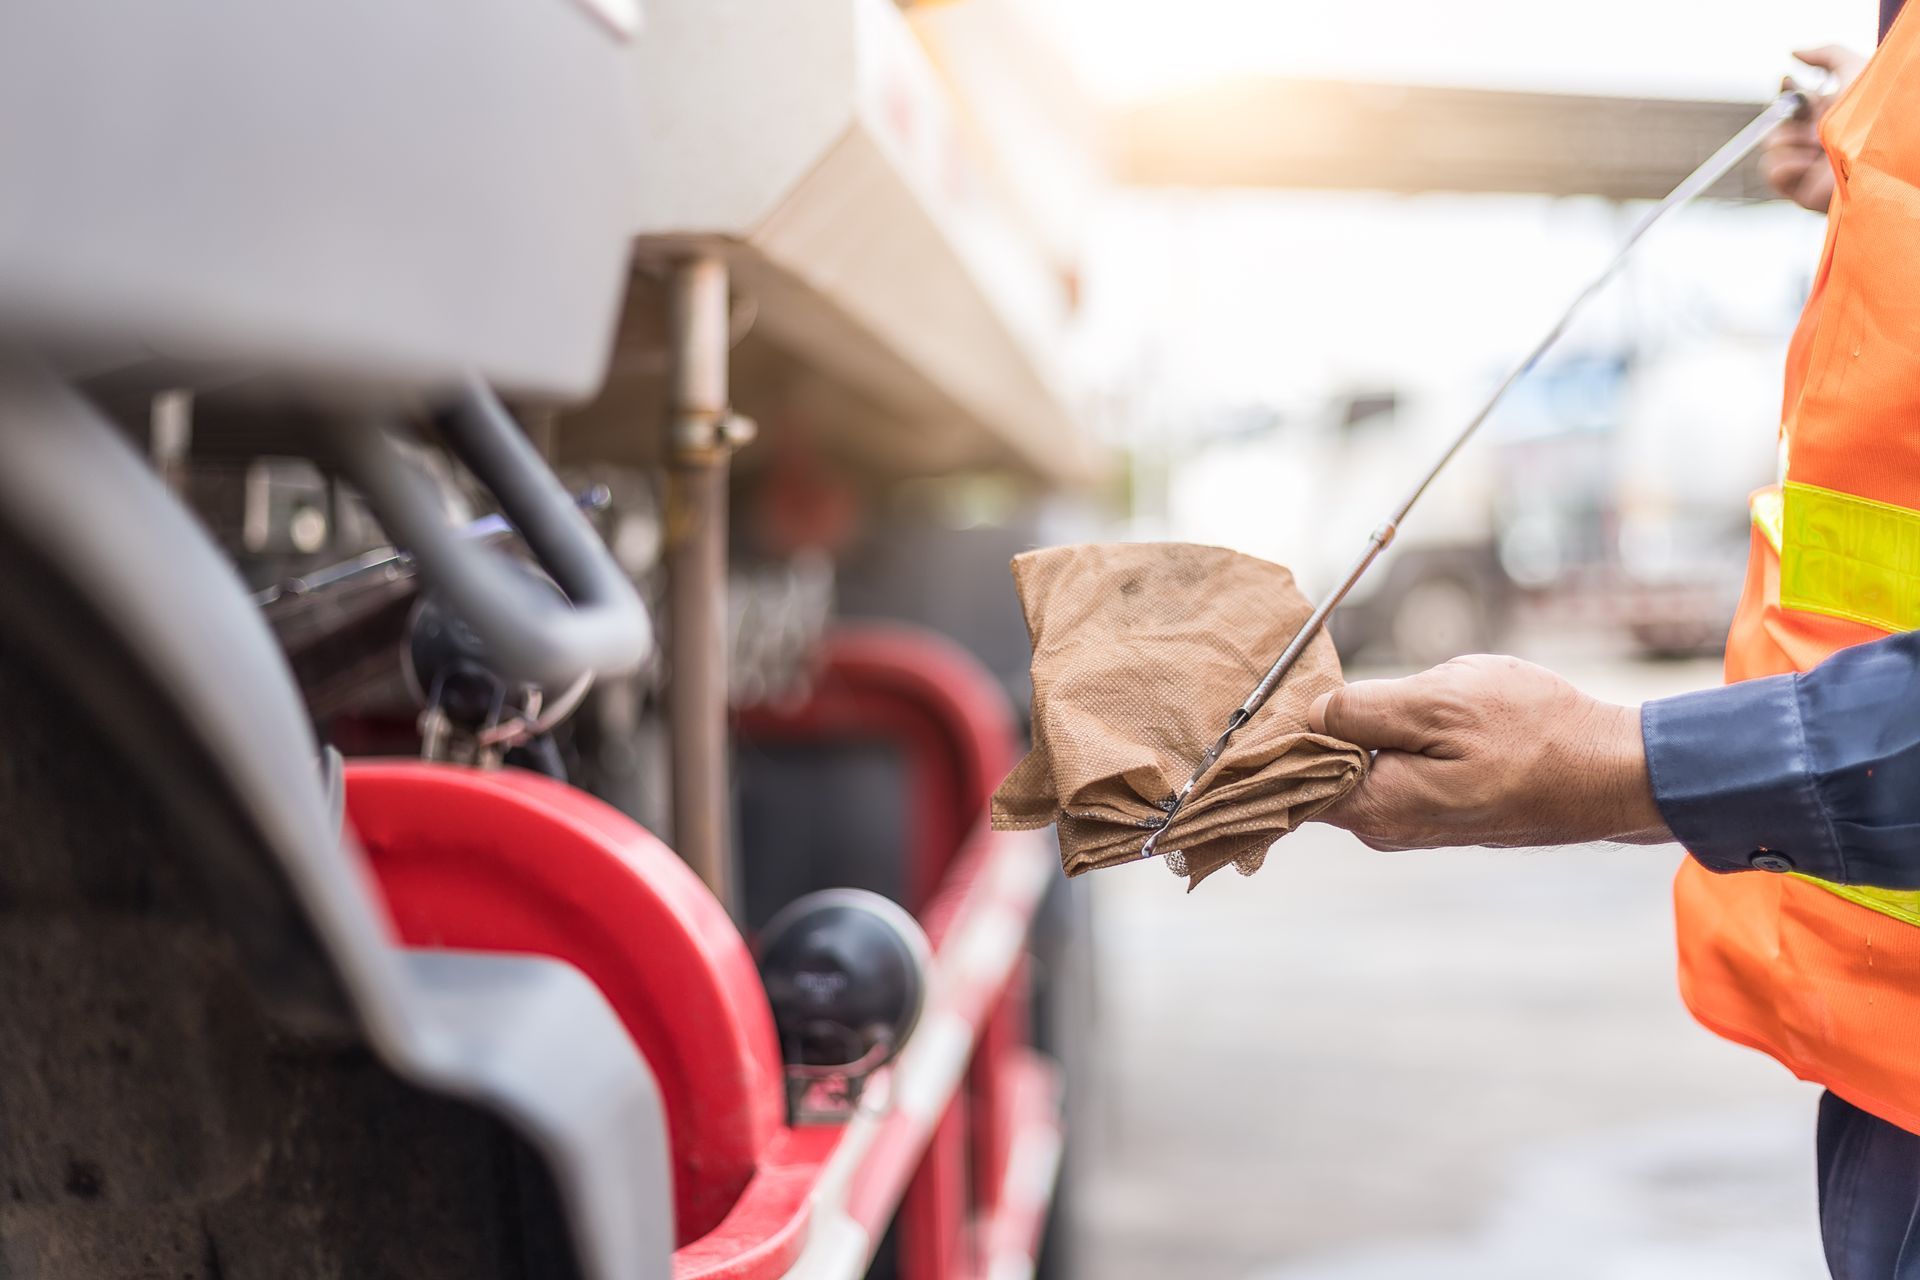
(1688, 48)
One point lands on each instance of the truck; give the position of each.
(1305, 484)
(1628, 517)
(455, 826)
(1607, 499)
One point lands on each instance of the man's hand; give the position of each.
(1792, 158)
(1490, 751)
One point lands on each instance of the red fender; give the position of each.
(510, 861)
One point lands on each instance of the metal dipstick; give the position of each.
(1716, 166)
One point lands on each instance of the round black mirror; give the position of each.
(846, 974)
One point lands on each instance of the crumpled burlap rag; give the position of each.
(1140, 652)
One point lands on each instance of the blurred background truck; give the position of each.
(1606, 501)
(1623, 489)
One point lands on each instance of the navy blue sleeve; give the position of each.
(1817, 772)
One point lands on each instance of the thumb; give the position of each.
(1380, 715)
(1830, 57)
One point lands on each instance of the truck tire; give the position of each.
(1440, 617)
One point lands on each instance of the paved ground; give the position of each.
(1361, 1066)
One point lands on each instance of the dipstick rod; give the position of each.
(1716, 166)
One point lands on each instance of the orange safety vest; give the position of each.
(1823, 977)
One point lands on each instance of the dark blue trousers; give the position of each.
(1869, 1194)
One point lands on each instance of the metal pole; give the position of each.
(171, 420)
(702, 434)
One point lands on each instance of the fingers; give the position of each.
(1785, 169)
(1386, 810)
(1787, 150)
(1795, 166)
(1793, 163)
(1794, 135)
(1380, 715)
(1843, 66)
(1829, 57)
(1488, 750)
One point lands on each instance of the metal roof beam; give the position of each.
(1334, 135)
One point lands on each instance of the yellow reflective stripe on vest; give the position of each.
(1849, 557)
(1902, 904)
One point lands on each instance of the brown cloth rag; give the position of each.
(1140, 652)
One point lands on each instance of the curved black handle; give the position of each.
(601, 628)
